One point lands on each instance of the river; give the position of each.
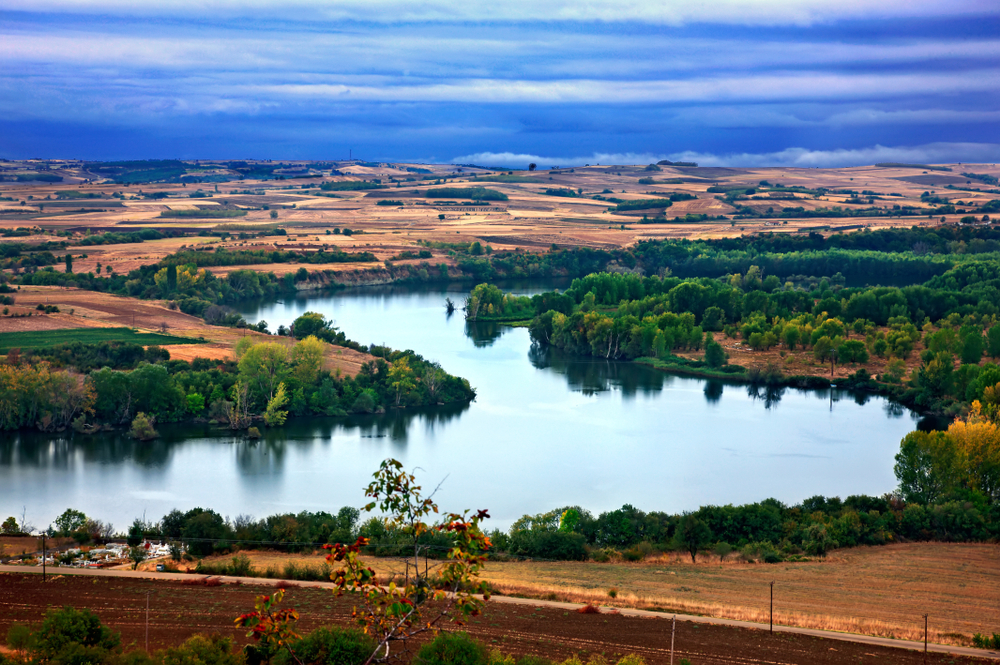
(545, 431)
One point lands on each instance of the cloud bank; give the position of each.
(973, 153)
(826, 82)
(666, 12)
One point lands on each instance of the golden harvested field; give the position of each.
(870, 590)
(530, 219)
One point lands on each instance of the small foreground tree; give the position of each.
(390, 612)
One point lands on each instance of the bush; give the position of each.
(761, 552)
(981, 641)
(142, 428)
(241, 566)
(73, 637)
(330, 646)
(531, 659)
(202, 650)
(19, 637)
(452, 649)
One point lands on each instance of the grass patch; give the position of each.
(642, 204)
(474, 193)
(350, 186)
(925, 167)
(680, 365)
(505, 178)
(204, 214)
(43, 339)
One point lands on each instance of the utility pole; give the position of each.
(147, 622)
(772, 606)
(673, 630)
(43, 557)
(925, 638)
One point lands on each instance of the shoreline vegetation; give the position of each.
(780, 307)
(919, 342)
(95, 387)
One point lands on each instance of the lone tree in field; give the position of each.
(532, 166)
(693, 534)
(69, 263)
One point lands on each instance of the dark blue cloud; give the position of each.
(179, 83)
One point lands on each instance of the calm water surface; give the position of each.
(544, 432)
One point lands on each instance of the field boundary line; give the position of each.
(630, 612)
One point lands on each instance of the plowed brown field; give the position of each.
(178, 610)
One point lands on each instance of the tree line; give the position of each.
(266, 383)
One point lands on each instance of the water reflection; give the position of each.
(769, 395)
(592, 375)
(253, 456)
(713, 391)
(484, 333)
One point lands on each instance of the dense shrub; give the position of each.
(330, 646)
(452, 649)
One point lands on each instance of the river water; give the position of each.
(545, 431)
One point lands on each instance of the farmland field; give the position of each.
(880, 591)
(47, 338)
(179, 609)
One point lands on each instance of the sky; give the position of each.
(810, 83)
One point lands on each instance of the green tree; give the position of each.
(935, 377)
(895, 370)
(823, 349)
(569, 520)
(314, 324)
(264, 366)
(195, 403)
(307, 359)
(713, 319)
(715, 355)
(693, 535)
(9, 527)
(972, 348)
(172, 278)
(852, 351)
(926, 466)
(136, 533)
(275, 414)
(70, 521)
(401, 378)
(201, 529)
(791, 335)
(137, 555)
(993, 341)
(69, 263)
